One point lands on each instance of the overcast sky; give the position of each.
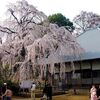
(69, 8)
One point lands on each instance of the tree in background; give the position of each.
(86, 20)
(61, 20)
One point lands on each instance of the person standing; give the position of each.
(33, 91)
(44, 95)
(48, 91)
(98, 93)
(93, 93)
(8, 94)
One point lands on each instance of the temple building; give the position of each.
(81, 70)
(87, 67)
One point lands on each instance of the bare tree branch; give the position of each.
(80, 26)
(12, 13)
(6, 30)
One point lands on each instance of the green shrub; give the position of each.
(1, 82)
(14, 87)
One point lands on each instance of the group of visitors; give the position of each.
(47, 92)
(46, 95)
(95, 93)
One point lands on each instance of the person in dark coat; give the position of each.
(98, 93)
(48, 91)
(44, 95)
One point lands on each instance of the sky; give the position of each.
(69, 8)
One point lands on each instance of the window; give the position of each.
(86, 73)
(96, 73)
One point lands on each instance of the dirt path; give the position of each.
(61, 97)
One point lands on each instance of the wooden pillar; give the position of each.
(80, 63)
(91, 67)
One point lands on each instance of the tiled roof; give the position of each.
(90, 41)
